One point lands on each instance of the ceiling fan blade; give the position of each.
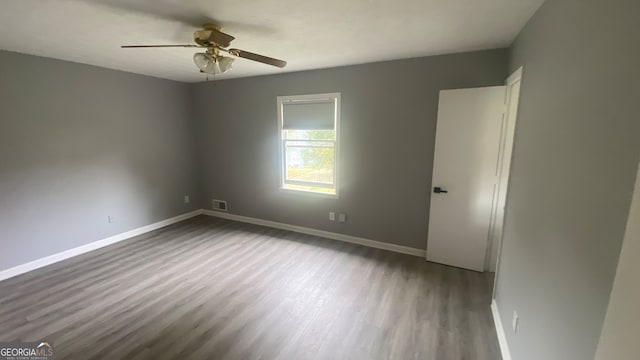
(257, 57)
(160, 46)
(220, 38)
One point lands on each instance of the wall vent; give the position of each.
(219, 205)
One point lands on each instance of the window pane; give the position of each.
(309, 163)
(308, 129)
(310, 134)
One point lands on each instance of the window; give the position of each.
(309, 129)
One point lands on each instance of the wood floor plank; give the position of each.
(210, 288)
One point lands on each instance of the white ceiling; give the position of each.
(308, 34)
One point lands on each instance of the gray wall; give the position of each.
(388, 131)
(576, 152)
(619, 337)
(79, 143)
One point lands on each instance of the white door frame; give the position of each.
(507, 154)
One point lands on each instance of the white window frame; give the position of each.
(283, 169)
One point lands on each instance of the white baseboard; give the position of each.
(502, 339)
(51, 259)
(321, 233)
(32, 265)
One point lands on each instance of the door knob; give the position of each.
(438, 190)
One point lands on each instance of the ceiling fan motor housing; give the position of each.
(201, 37)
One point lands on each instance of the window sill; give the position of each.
(309, 193)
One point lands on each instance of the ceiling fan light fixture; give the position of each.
(225, 64)
(204, 62)
(210, 64)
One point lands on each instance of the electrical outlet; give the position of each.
(342, 217)
(514, 322)
(332, 216)
(111, 219)
(186, 199)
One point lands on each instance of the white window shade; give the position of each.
(309, 115)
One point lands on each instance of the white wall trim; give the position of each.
(502, 339)
(51, 259)
(325, 234)
(515, 77)
(506, 165)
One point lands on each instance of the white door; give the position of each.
(465, 175)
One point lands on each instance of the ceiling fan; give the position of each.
(215, 41)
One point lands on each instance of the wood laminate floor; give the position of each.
(210, 288)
